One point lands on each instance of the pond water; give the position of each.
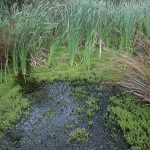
(54, 116)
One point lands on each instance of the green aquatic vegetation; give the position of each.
(90, 113)
(67, 126)
(51, 135)
(133, 119)
(33, 122)
(79, 110)
(77, 123)
(40, 118)
(79, 135)
(89, 107)
(111, 145)
(114, 136)
(90, 123)
(101, 88)
(80, 93)
(49, 113)
(99, 94)
(80, 97)
(79, 90)
(92, 105)
(12, 104)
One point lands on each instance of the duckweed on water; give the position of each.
(79, 135)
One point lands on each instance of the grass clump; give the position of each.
(79, 135)
(12, 104)
(136, 72)
(133, 119)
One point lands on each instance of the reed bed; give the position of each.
(43, 27)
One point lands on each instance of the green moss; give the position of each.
(79, 93)
(67, 126)
(133, 119)
(12, 104)
(79, 135)
(90, 113)
(79, 90)
(49, 113)
(76, 123)
(79, 110)
(62, 70)
(100, 95)
(90, 123)
(88, 106)
(101, 88)
(51, 136)
(92, 105)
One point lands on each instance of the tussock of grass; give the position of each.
(136, 73)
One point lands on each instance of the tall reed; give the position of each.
(73, 24)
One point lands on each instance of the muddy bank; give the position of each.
(59, 109)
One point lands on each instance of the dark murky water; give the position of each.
(55, 106)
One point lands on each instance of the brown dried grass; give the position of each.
(136, 73)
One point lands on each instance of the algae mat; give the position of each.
(58, 111)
